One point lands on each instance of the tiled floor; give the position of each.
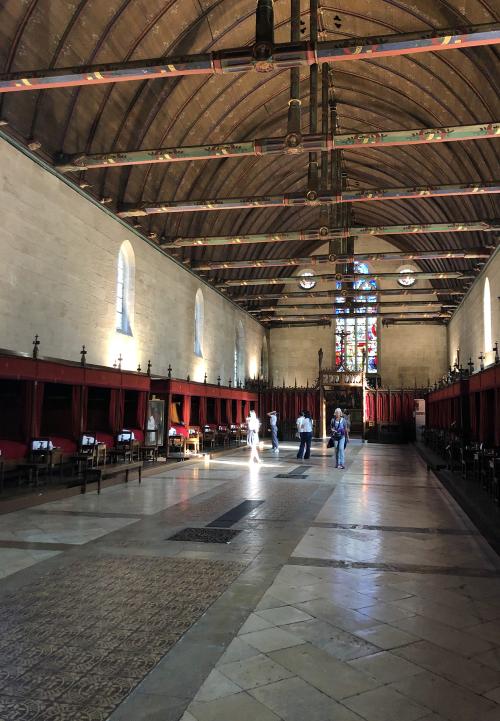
(356, 595)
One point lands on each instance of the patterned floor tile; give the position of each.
(79, 662)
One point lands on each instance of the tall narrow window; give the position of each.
(356, 328)
(125, 289)
(199, 318)
(488, 340)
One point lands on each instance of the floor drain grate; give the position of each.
(205, 535)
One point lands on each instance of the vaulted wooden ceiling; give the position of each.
(452, 88)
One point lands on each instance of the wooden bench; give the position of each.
(99, 474)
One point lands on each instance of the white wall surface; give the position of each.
(58, 262)
(466, 329)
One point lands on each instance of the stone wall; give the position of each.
(59, 257)
(466, 329)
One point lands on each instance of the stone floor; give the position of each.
(363, 594)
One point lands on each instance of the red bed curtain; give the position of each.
(203, 410)
(116, 410)
(142, 403)
(186, 410)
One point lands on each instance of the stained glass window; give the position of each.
(357, 337)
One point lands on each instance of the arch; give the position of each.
(239, 354)
(125, 289)
(488, 338)
(199, 323)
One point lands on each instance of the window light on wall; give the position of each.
(307, 279)
(488, 338)
(199, 319)
(125, 289)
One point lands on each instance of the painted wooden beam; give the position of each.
(264, 296)
(348, 278)
(312, 260)
(275, 146)
(297, 199)
(351, 303)
(375, 314)
(351, 294)
(280, 56)
(331, 233)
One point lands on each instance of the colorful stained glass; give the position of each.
(356, 338)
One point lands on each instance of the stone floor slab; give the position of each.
(295, 700)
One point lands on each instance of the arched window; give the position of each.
(125, 279)
(356, 337)
(199, 318)
(488, 339)
(239, 354)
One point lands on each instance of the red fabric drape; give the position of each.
(239, 414)
(28, 390)
(116, 410)
(229, 410)
(246, 409)
(474, 416)
(497, 414)
(37, 408)
(76, 412)
(142, 402)
(218, 414)
(203, 411)
(186, 410)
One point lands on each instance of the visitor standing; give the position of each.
(305, 429)
(273, 422)
(338, 428)
(253, 426)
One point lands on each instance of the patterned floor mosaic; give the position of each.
(76, 642)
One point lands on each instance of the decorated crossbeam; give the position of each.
(273, 146)
(313, 260)
(375, 314)
(357, 301)
(345, 278)
(297, 199)
(331, 233)
(278, 56)
(344, 292)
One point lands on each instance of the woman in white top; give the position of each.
(253, 425)
(305, 429)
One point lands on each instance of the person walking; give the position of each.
(338, 428)
(273, 422)
(253, 426)
(305, 429)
